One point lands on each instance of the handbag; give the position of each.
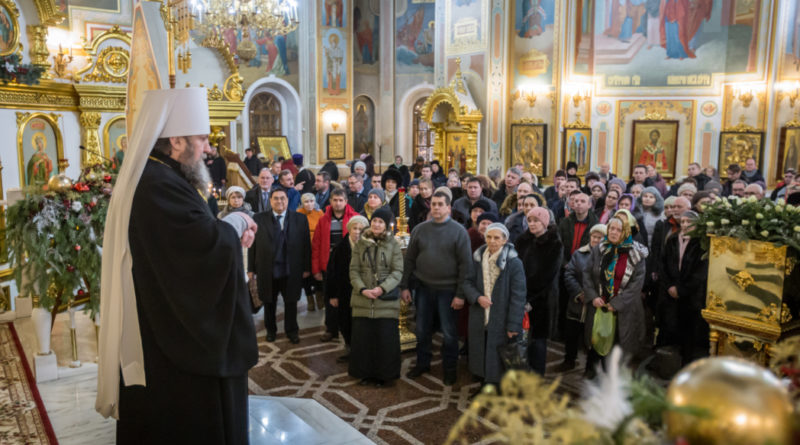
(603, 331)
(255, 301)
(514, 353)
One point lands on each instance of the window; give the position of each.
(265, 117)
(424, 135)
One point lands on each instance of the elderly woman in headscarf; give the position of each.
(496, 292)
(613, 282)
(541, 252)
(235, 198)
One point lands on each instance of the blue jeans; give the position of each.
(429, 302)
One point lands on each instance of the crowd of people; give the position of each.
(486, 252)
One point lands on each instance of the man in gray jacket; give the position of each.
(474, 194)
(437, 264)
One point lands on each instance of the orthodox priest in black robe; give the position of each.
(194, 315)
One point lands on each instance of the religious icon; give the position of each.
(655, 143)
(735, 147)
(363, 126)
(532, 21)
(334, 13)
(336, 146)
(115, 137)
(9, 28)
(274, 147)
(789, 156)
(529, 147)
(39, 150)
(578, 148)
(334, 64)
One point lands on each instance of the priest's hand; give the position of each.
(249, 234)
(406, 295)
(484, 302)
(334, 302)
(457, 303)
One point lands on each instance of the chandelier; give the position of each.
(214, 17)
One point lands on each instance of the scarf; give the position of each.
(611, 253)
(490, 273)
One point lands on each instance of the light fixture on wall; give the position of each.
(335, 118)
(790, 90)
(579, 92)
(529, 93)
(746, 92)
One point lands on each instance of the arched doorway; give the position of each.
(265, 117)
(424, 136)
(288, 101)
(404, 115)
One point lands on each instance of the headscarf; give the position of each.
(619, 182)
(631, 197)
(632, 223)
(611, 253)
(658, 206)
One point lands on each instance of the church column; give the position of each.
(90, 123)
(385, 127)
(308, 81)
(496, 94)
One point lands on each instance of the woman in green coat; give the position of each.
(376, 268)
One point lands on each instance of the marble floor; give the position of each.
(69, 400)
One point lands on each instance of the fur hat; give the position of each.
(393, 174)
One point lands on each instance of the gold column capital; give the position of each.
(90, 123)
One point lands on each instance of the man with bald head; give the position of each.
(574, 231)
(754, 190)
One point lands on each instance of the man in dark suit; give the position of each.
(279, 260)
(357, 196)
(258, 196)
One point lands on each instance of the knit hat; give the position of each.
(379, 193)
(500, 227)
(446, 190)
(691, 214)
(490, 216)
(480, 204)
(541, 214)
(297, 158)
(384, 214)
(414, 182)
(619, 182)
(601, 185)
(600, 228)
(360, 164)
(658, 207)
(712, 185)
(670, 200)
(234, 189)
(685, 187)
(357, 219)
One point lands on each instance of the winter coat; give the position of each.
(505, 314)
(419, 212)
(692, 278)
(515, 225)
(627, 303)
(566, 230)
(362, 276)
(542, 257)
(321, 243)
(573, 281)
(336, 286)
(313, 219)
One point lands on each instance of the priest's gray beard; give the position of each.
(196, 173)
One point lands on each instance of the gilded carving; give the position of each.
(769, 314)
(786, 315)
(49, 13)
(743, 279)
(233, 89)
(90, 122)
(655, 115)
(37, 36)
(111, 65)
(715, 303)
(722, 245)
(221, 46)
(214, 93)
(742, 127)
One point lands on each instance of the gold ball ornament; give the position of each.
(92, 176)
(59, 183)
(747, 404)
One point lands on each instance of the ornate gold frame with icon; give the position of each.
(452, 109)
(528, 145)
(744, 300)
(111, 141)
(37, 135)
(661, 153)
(9, 19)
(738, 143)
(274, 146)
(577, 146)
(336, 146)
(789, 148)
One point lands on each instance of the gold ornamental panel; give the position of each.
(111, 65)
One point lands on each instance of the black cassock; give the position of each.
(194, 316)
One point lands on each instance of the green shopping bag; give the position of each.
(603, 331)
